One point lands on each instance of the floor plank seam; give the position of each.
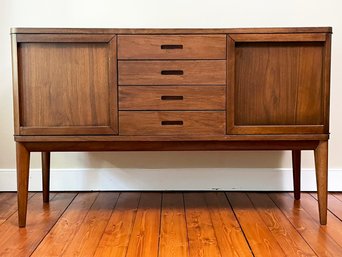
(330, 211)
(293, 224)
(133, 223)
(116, 202)
(62, 213)
(238, 221)
(160, 221)
(186, 223)
(211, 220)
(15, 211)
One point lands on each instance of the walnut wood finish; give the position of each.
(179, 89)
(172, 98)
(46, 175)
(180, 72)
(171, 123)
(321, 163)
(23, 169)
(172, 47)
(289, 80)
(55, 95)
(172, 31)
(296, 161)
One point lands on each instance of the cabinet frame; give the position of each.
(110, 39)
(232, 39)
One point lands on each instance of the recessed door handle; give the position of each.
(171, 97)
(172, 72)
(171, 46)
(172, 122)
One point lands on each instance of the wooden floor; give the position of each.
(134, 224)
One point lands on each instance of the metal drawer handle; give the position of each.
(171, 97)
(172, 72)
(171, 46)
(171, 122)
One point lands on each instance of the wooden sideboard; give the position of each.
(171, 89)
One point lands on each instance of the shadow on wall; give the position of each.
(186, 159)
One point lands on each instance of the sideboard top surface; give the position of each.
(170, 30)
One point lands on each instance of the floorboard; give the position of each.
(171, 224)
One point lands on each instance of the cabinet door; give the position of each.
(278, 83)
(66, 84)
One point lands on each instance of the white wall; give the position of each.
(124, 167)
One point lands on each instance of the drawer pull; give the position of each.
(171, 122)
(171, 97)
(172, 72)
(171, 46)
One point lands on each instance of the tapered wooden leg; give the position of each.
(321, 163)
(23, 167)
(296, 173)
(46, 175)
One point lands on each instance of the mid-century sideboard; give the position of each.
(171, 89)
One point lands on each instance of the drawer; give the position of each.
(172, 47)
(172, 72)
(172, 98)
(171, 123)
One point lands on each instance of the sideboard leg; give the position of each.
(23, 167)
(46, 175)
(321, 163)
(296, 173)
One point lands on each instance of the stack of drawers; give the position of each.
(172, 84)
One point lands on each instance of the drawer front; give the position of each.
(172, 98)
(171, 123)
(172, 72)
(172, 47)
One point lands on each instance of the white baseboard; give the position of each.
(267, 179)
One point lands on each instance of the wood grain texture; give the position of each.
(194, 72)
(338, 196)
(276, 84)
(229, 235)
(190, 123)
(172, 98)
(296, 167)
(89, 234)
(46, 175)
(308, 228)
(286, 235)
(145, 234)
(321, 166)
(173, 30)
(57, 241)
(202, 238)
(293, 224)
(171, 146)
(261, 240)
(173, 232)
(298, 37)
(334, 230)
(55, 94)
(8, 205)
(62, 38)
(15, 83)
(91, 138)
(335, 204)
(22, 242)
(326, 81)
(23, 170)
(172, 47)
(115, 240)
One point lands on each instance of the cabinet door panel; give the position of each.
(67, 87)
(276, 87)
